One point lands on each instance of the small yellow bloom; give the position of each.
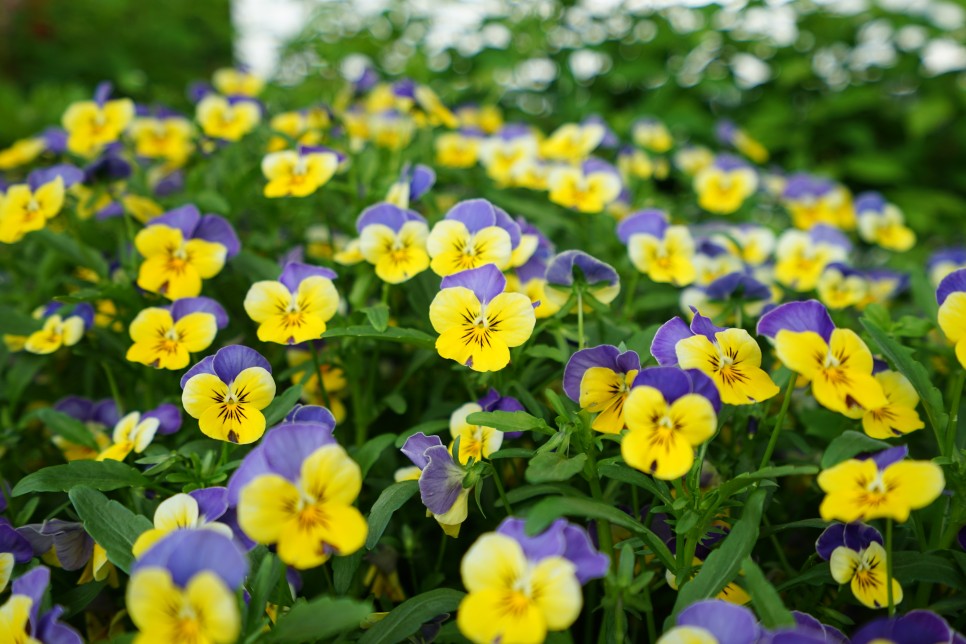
(723, 191)
(866, 570)
(131, 434)
(572, 142)
(163, 138)
(90, 126)
(288, 315)
(667, 259)
(733, 360)
(56, 333)
(398, 255)
(237, 82)
(453, 248)
(221, 119)
(899, 416)
(23, 210)
(952, 321)
(858, 490)
(173, 266)
(206, 610)
(585, 192)
(162, 342)
(476, 441)
(21, 153)
(457, 150)
(297, 174)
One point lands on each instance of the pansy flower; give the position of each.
(227, 119)
(712, 261)
(730, 356)
(589, 187)
(866, 570)
(813, 200)
(663, 252)
(59, 543)
(182, 590)
(298, 173)
(440, 481)
(181, 248)
(599, 380)
(634, 163)
(841, 286)
(487, 118)
(164, 337)
(713, 621)
(414, 181)
(914, 627)
(63, 326)
(882, 286)
(669, 412)
(14, 549)
(652, 135)
(692, 159)
(227, 392)
(135, 431)
(296, 491)
(572, 142)
(21, 619)
(199, 509)
(836, 361)
(473, 233)
(951, 296)
(302, 126)
(899, 416)
(476, 442)
(459, 149)
(575, 270)
(164, 135)
(943, 262)
(477, 321)
(394, 241)
(26, 207)
(521, 587)
(502, 153)
(728, 295)
(724, 186)
(803, 256)
(21, 152)
(98, 416)
(730, 134)
(295, 308)
(751, 243)
(237, 81)
(882, 223)
(854, 536)
(93, 124)
(883, 485)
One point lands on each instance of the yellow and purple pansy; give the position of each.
(135, 431)
(182, 589)
(663, 252)
(181, 248)
(165, 337)
(575, 272)
(943, 262)
(21, 619)
(856, 557)
(652, 135)
(26, 207)
(63, 326)
(731, 357)
(951, 296)
(725, 185)
(163, 134)
(237, 81)
(440, 480)
(473, 233)
(910, 628)
(393, 240)
(899, 417)
(730, 134)
(589, 187)
(198, 509)
(714, 621)
(91, 125)
(814, 200)
(668, 412)
(227, 392)
(227, 118)
(97, 415)
(15, 548)
(729, 294)
(521, 587)
(460, 149)
(414, 181)
(599, 379)
(295, 308)
(477, 321)
(802, 256)
(572, 142)
(507, 151)
(882, 223)
(476, 442)
(298, 173)
(296, 490)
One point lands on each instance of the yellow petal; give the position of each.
(952, 316)
(266, 299)
(215, 608)
(152, 597)
(206, 257)
(803, 352)
(493, 561)
(666, 456)
(201, 392)
(556, 592)
(511, 316)
(851, 352)
(254, 386)
(641, 405)
(317, 296)
(451, 307)
(266, 506)
(843, 563)
(158, 240)
(240, 424)
(178, 511)
(150, 325)
(196, 331)
(492, 615)
(912, 485)
(329, 474)
(694, 418)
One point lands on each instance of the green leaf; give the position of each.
(509, 421)
(847, 445)
(318, 620)
(544, 513)
(344, 571)
(73, 250)
(396, 402)
(391, 499)
(546, 351)
(13, 322)
(766, 600)
(905, 361)
(405, 619)
(255, 267)
(269, 570)
(98, 475)
(279, 408)
(378, 316)
(723, 564)
(548, 467)
(110, 524)
(67, 427)
(932, 567)
(367, 455)
(391, 334)
(633, 477)
(740, 482)
(511, 452)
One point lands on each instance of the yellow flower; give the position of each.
(56, 333)
(456, 150)
(131, 434)
(173, 266)
(293, 310)
(220, 119)
(205, 610)
(839, 288)
(952, 321)
(513, 600)
(899, 415)
(163, 138)
(21, 153)
(572, 142)
(178, 512)
(162, 342)
(303, 516)
(500, 157)
(585, 192)
(724, 191)
(733, 360)
(802, 260)
(23, 210)
(14, 620)
(294, 174)
(476, 441)
(398, 255)
(866, 570)
(453, 248)
(90, 125)
(236, 82)
(858, 490)
(667, 259)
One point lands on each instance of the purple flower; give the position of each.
(915, 627)
(185, 553)
(651, 222)
(810, 315)
(606, 356)
(441, 478)
(807, 630)
(387, 214)
(493, 401)
(802, 186)
(169, 418)
(193, 225)
(869, 202)
(188, 305)
(738, 286)
(674, 330)
(486, 282)
(726, 622)
(103, 412)
(13, 542)
(855, 536)
(70, 543)
(673, 383)
(477, 214)
(45, 627)
(69, 174)
(576, 266)
(416, 180)
(561, 539)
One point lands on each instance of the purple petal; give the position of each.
(15, 543)
(185, 553)
(604, 355)
(70, 542)
(76, 407)
(68, 173)
(952, 283)
(441, 482)
(386, 214)
(288, 445)
(869, 202)
(739, 285)
(667, 338)
(184, 218)
(858, 536)
(646, 222)
(212, 502)
(55, 139)
(956, 255)
(415, 448)
(316, 414)
(85, 312)
(105, 412)
(535, 268)
(187, 305)
(728, 623)
(887, 457)
(670, 381)
(825, 234)
(39, 542)
(217, 229)
(475, 214)
(552, 542)
(830, 539)
(486, 282)
(506, 222)
(730, 162)
(915, 627)
(232, 360)
(33, 584)
(703, 385)
(241, 540)
(169, 417)
(206, 365)
(253, 465)
(103, 92)
(560, 271)
(810, 315)
(701, 325)
(805, 623)
(51, 631)
(170, 184)
(110, 166)
(422, 178)
(493, 401)
(580, 550)
(295, 272)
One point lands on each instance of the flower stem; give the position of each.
(580, 319)
(317, 365)
(891, 599)
(112, 383)
(603, 527)
(773, 440)
(499, 489)
(952, 428)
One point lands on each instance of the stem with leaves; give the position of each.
(773, 440)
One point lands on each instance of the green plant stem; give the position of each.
(580, 319)
(499, 489)
(891, 599)
(112, 383)
(317, 365)
(773, 440)
(603, 527)
(630, 293)
(952, 427)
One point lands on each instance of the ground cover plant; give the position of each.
(372, 358)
